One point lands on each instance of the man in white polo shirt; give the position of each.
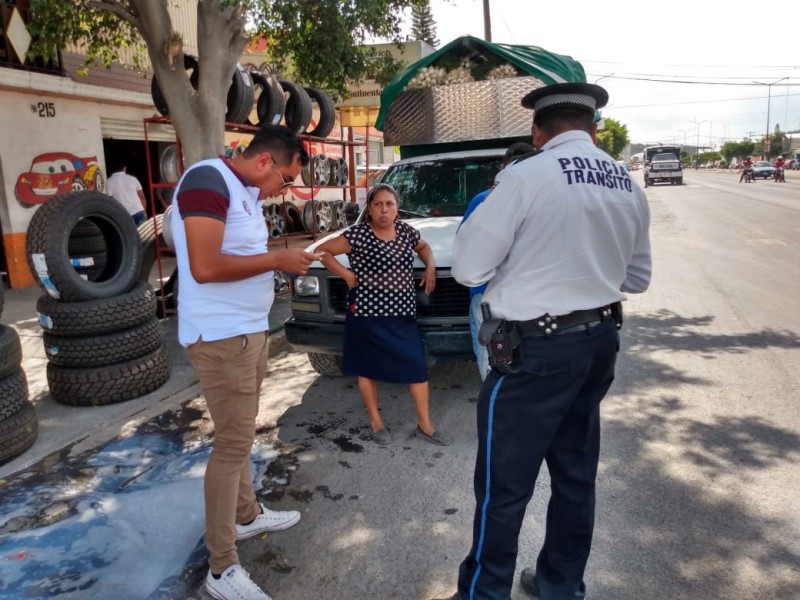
(127, 190)
(225, 294)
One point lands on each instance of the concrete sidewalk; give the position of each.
(73, 429)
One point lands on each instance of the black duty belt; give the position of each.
(550, 326)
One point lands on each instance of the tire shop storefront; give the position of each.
(62, 135)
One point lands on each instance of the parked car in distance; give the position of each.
(763, 169)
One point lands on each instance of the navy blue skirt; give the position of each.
(384, 349)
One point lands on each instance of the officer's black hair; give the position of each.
(280, 142)
(554, 119)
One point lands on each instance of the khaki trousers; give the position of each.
(231, 372)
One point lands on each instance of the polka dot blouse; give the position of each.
(384, 271)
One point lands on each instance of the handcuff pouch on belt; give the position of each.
(503, 341)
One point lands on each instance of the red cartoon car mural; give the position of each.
(57, 173)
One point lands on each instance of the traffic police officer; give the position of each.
(560, 239)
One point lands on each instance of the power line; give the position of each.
(655, 80)
(697, 102)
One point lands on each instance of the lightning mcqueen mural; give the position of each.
(57, 173)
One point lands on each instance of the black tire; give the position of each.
(292, 217)
(95, 244)
(271, 103)
(10, 351)
(109, 384)
(327, 112)
(329, 365)
(190, 64)
(96, 317)
(13, 393)
(85, 228)
(240, 96)
(298, 106)
(18, 433)
(84, 352)
(47, 247)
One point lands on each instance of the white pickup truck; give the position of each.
(434, 192)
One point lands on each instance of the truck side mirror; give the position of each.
(351, 212)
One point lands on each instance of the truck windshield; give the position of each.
(664, 157)
(442, 188)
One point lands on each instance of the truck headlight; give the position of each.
(306, 285)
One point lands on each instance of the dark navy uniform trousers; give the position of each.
(548, 411)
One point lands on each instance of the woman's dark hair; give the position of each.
(381, 187)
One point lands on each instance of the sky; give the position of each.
(627, 46)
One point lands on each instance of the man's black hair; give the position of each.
(280, 142)
(120, 165)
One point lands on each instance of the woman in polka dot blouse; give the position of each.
(381, 339)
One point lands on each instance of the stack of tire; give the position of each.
(275, 100)
(101, 334)
(19, 425)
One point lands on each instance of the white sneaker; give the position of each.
(268, 520)
(234, 584)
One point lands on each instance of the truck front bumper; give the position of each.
(326, 338)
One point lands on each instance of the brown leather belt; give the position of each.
(551, 326)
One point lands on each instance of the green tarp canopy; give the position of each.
(531, 60)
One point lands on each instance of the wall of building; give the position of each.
(53, 132)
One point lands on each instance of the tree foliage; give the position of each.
(737, 150)
(423, 26)
(613, 138)
(322, 39)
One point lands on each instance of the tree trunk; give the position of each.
(197, 115)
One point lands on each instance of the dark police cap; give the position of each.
(578, 95)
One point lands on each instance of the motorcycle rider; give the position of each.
(779, 165)
(747, 167)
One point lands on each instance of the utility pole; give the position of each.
(487, 22)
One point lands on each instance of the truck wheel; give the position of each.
(271, 103)
(18, 433)
(190, 64)
(679, 181)
(100, 350)
(13, 393)
(240, 96)
(327, 112)
(10, 351)
(298, 106)
(97, 316)
(329, 365)
(109, 384)
(47, 247)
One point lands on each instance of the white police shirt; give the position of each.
(564, 230)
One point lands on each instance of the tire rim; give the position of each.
(275, 222)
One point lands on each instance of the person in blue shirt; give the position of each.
(515, 151)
